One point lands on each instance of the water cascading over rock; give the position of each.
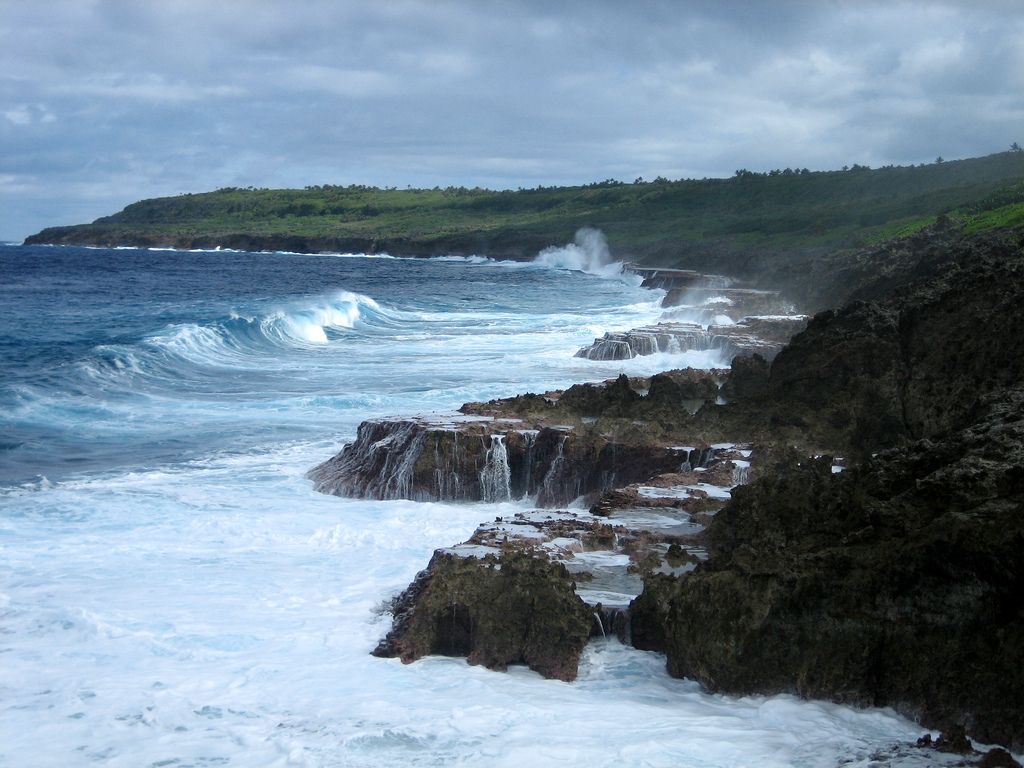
(481, 460)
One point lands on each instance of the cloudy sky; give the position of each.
(104, 102)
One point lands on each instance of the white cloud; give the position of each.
(146, 87)
(29, 114)
(19, 115)
(114, 99)
(345, 83)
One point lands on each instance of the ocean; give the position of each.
(174, 593)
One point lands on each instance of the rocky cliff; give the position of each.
(463, 458)
(898, 582)
(895, 583)
(872, 375)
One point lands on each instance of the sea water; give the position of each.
(174, 593)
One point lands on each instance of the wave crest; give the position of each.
(240, 340)
(310, 322)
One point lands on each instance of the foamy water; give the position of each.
(172, 591)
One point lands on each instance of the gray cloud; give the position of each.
(104, 102)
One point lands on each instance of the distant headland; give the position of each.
(749, 225)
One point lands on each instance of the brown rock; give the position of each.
(496, 610)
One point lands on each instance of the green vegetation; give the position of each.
(660, 221)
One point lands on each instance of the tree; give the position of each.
(1015, 147)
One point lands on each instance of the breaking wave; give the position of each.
(589, 253)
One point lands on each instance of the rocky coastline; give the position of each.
(748, 552)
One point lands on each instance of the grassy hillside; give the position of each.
(681, 223)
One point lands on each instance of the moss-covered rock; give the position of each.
(497, 609)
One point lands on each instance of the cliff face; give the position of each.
(473, 460)
(898, 582)
(871, 375)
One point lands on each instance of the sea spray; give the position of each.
(589, 253)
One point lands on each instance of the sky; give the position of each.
(105, 102)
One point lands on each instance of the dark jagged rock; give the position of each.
(762, 336)
(870, 376)
(525, 588)
(617, 399)
(998, 758)
(666, 400)
(496, 610)
(899, 581)
(748, 377)
(462, 459)
(896, 583)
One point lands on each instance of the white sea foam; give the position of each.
(225, 613)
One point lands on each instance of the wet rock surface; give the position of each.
(754, 335)
(532, 587)
(705, 313)
(496, 608)
(555, 447)
(468, 459)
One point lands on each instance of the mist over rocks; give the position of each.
(872, 375)
(836, 278)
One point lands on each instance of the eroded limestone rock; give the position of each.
(895, 583)
(495, 609)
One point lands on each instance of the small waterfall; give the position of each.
(551, 478)
(446, 473)
(698, 457)
(613, 621)
(402, 450)
(643, 344)
(740, 472)
(496, 476)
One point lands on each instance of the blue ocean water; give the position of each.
(172, 591)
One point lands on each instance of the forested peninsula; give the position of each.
(753, 224)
